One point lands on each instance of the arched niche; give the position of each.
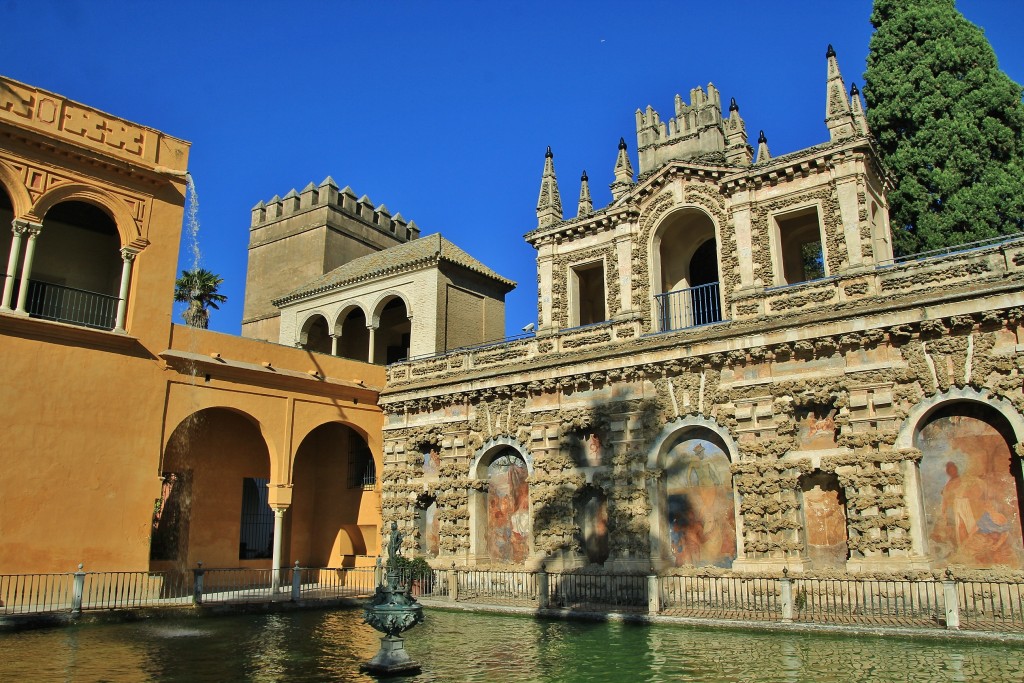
(354, 339)
(694, 519)
(393, 336)
(590, 512)
(969, 484)
(501, 515)
(823, 501)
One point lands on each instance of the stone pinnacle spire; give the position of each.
(549, 204)
(623, 172)
(737, 151)
(586, 205)
(838, 117)
(860, 122)
(762, 149)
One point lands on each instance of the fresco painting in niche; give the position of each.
(971, 505)
(816, 427)
(824, 521)
(701, 516)
(592, 519)
(587, 450)
(508, 509)
(431, 462)
(430, 528)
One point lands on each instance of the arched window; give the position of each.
(686, 271)
(699, 500)
(971, 486)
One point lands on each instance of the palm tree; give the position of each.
(198, 288)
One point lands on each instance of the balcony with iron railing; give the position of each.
(49, 301)
(690, 307)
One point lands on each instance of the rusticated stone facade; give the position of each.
(767, 388)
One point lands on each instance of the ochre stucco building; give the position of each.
(130, 443)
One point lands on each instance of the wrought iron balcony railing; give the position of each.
(690, 307)
(69, 305)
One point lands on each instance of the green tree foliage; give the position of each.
(950, 125)
(198, 288)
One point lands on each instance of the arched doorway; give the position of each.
(216, 468)
(685, 271)
(698, 500)
(333, 470)
(971, 486)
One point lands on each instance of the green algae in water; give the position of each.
(456, 646)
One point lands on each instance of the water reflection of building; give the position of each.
(767, 386)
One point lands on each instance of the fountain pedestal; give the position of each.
(391, 611)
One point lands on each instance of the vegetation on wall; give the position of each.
(950, 125)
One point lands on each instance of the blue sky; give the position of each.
(441, 111)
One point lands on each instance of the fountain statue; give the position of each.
(391, 611)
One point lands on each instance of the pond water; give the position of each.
(452, 646)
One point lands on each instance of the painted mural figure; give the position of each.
(508, 510)
(974, 518)
(701, 517)
(431, 463)
(825, 522)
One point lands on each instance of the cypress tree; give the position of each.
(950, 125)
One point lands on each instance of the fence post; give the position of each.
(786, 588)
(949, 598)
(79, 590)
(296, 582)
(542, 587)
(197, 591)
(453, 584)
(653, 594)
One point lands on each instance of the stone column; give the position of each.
(127, 258)
(275, 580)
(371, 352)
(334, 344)
(18, 227)
(33, 231)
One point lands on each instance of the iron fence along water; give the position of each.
(991, 604)
(722, 597)
(871, 601)
(592, 591)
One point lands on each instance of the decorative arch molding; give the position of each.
(493, 445)
(342, 314)
(382, 300)
(692, 423)
(13, 184)
(127, 227)
(299, 437)
(307, 321)
(272, 451)
(920, 412)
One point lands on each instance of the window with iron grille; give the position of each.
(362, 472)
(256, 540)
